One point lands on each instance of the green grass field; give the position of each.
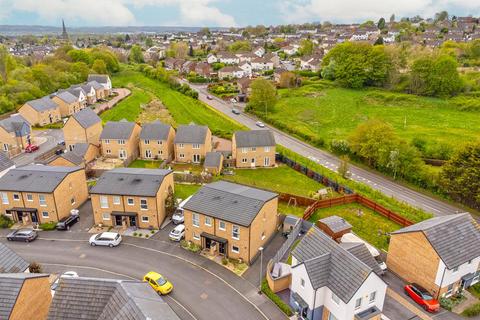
(327, 112)
(145, 164)
(366, 227)
(183, 109)
(183, 191)
(129, 108)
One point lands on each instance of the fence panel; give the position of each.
(288, 243)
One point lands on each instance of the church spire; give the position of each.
(64, 31)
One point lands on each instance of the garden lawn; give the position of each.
(147, 164)
(284, 208)
(183, 191)
(327, 112)
(281, 179)
(183, 109)
(129, 108)
(366, 227)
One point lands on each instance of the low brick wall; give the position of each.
(279, 284)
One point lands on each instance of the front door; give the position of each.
(133, 221)
(196, 158)
(221, 248)
(19, 216)
(118, 221)
(208, 243)
(34, 217)
(252, 162)
(148, 153)
(266, 162)
(122, 154)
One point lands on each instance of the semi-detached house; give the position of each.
(332, 281)
(192, 143)
(254, 148)
(120, 140)
(14, 134)
(156, 141)
(41, 111)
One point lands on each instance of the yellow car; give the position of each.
(158, 283)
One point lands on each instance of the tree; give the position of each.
(99, 66)
(392, 18)
(459, 177)
(7, 63)
(136, 54)
(379, 41)
(263, 96)
(381, 23)
(287, 79)
(441, 16)
(306, 47)
(149, 42)
(179, 49)
(239, 46)
(35, 267)
(190, 51)
(343, 167)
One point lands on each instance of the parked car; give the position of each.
(25, 235)
(111, 239)
(260, 124)
(68, 274)
(177, 217)
(422, 297)
(61, 143)
(209, 97)
(158, 283)
(178, 233)
(235, 111)
(66, 222)
(233, 100)
(31, 148)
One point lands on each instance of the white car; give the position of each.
(177, 216)
(68, 274)
(111, 239)
(177, 233)
(233, 100)
(260, 124)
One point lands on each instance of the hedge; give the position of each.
(276, 299)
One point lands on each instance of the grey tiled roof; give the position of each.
(80, 149)
(10, 261)
(130, 181)
(43, 104)
(191, 134)
(14, 124)
(155, 131)
(254, 138)
(72, 157)
(95, 85)
(5, 161)
(86, 117)
(117, 130)
(67, 97)
(35, 178)
(100, 78)
(328, 264)
(107, 299)
(455, 238)
(76, 91)
(361, 251)
(336, 223)
(10, 286)
(228, 201)
(212, 159)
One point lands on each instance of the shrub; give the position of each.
(451, 302)
(224, 261)
(472, 311)
(276, 299)
(35, 267)
(5, 222)
(152, 231)
(49, 226)
(134, 234)
(146, 236)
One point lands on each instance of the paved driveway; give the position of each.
(51, 138)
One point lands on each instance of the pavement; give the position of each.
(49, 138)
(373, 179)
(122, 93)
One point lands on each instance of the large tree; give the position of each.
(7, 64)
(460, 176)
(136, 54)
(263, 96)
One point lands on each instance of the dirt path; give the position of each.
(122, 93)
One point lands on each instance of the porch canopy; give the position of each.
(22, 209)
(124, 213)
(212, 237)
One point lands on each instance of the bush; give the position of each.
(190, 246)
(472, 311)
(451, 302)
(146, 236)
(276, 299)
(5, 222)
(134, 234)
(49, 226)
(224, 261)
(35, 267)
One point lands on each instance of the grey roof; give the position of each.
(10, 286)
(5, 162)
(455, 238)
(10, 261)
(212, 159)
(76, 91)
(14, 124)
(191, 134)
(67, 97)
(336, 223)
(86, 117)
(228, 201)
(117, 130)
(361, 251)
(254, 138)
(95, 85)
(72, 157)
(35, 178)
(328, 264)
(130, 181)
(80, 149)
(107, 299)
(155, 131)
(43, 104)
(100, 78)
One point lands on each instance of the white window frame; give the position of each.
(220, 225)
(335, 299)
(144, 205)
(195, 146)
(42, 200)
(196, 236)
(208, 221)
(160, 142)
(196, 220)
(145, 219)
(121, 141)
(29, 197)
(43, 214)
(128, 202)
(5, 198)
(106, 216)
(117, 200)
(266, 149)
(253, 149)
(107, 141)
(181, 155)
(237, 250)
(237, 237)
(455, 270)
(146, 141)
(302, 282)
(244, 160)
(181, 145)
(372, 297)
(244, 150)
(17, 197)
(108, 151)
(358, 303)
(104, 202)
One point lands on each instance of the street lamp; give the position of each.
(261, 269)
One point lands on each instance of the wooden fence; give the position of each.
(356, 198)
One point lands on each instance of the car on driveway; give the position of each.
(25, 235)
(66, 222)
(178, 233)
(260, 124)
(235, 111)
(178, 217)
(68, 274)
(233, 100)
(31, 148)
(111, 239)
(422, 297)
(209, 97)
(158, 282)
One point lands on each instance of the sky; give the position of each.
(219, 13)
